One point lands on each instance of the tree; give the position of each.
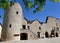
(28, 4)
(5, 3)
(39, 3)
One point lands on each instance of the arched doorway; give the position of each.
(52, 33)
(23, 36)
(46, 34)
(56, 34)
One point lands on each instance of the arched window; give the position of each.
(46, 34)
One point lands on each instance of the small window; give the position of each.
(10, 25)
(16, 34)
(57, 28)
(28, 27)
(38, 33)
(17, 12)
(40, 28)
(56, 24)
(24, 26)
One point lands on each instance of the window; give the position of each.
(38, 33)
(16, 34)
(17, 12)
(57, 28)
(28, 27)
(56, 34)
(56, 24)
(40, 28)
(24, 26)
(10, 25)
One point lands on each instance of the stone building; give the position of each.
(17, 27)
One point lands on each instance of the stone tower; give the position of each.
(12, 22)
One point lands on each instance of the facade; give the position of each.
(17, 27)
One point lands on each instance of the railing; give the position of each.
(34, 33)
(31, 32)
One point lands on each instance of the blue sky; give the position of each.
(50, 9)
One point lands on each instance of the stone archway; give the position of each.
(23, 36)
(46, 34)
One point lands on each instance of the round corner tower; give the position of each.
(12, 23)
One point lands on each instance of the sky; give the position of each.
(50, 9)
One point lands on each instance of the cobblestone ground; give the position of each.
(46, 40)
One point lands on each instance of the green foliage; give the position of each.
(28, 4)
(5, 4)
(35, 2)
(39, 3)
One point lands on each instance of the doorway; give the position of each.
(46, 34)
(23, 36)
(52, 33)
